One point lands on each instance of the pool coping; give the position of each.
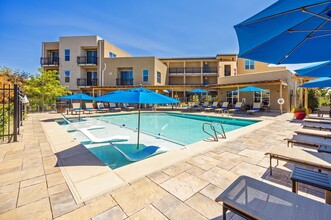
(88, 177)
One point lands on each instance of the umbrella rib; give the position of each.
(323, 35)
(282, 13)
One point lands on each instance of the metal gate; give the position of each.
(11, 112)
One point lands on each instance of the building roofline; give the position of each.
(186, 58)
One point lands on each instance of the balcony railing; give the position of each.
(49, 61)
(87, 60)
(87, 82)
(124, 82)
(193, 70)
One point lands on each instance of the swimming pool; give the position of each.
(167, 130)
(181, 128)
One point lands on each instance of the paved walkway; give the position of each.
(32, 187)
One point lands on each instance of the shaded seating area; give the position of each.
(89, 108)
(113, 107)
(127, 107)
(101, 107)
(254, 199)
(76, 108)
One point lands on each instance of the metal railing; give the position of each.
(11, 112)
(193, 70)
(47, 61)
(87, 82)
(87, 60)
(124, 82)
(216, 134)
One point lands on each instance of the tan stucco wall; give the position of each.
(108, 47)
(193, 80)
(221, 68)
(137, 64)
(258, 67)
(49, 46)
(160, 67)
(176, 80)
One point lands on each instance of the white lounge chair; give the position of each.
(322, 121)
(236, 108)
(204, 105)
(225, 106)
(89, 108)
(76, 108)
(212, 107)
(127, 107)
(319, 126)
(312, 132)
(101, 107)
(256, 108)
(144, 153)
(308, 140)
(94, 139)
(113, 107)
(74, 125)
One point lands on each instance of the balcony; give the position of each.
(49, 61)
(87, 82)
(124, 82)
(194, 70)
(87, 60)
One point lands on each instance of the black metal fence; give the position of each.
(11, 112)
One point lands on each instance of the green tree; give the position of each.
(43, 89)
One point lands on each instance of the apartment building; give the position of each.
(91, 65)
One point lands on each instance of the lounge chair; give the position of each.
(101, 107)
(89, 108)
(212, 107)
(236, 108)
(113, 107)
(322, 121)
(257, 107)
(305, 157)
(312, 132)
(76, 108)
(74, 125)
(94, 139)
(127, 107)
(225, 106)
(204, 105)
(319, 126)
(313, 141)
(318, 118)
(195, 106)
(144, 153)
(254, 199)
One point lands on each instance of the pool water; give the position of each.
(181, 128)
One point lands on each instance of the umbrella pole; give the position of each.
(138, 126)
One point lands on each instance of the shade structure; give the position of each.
(198, 91)
(137, 96)
(251, 89)
(322, 69)
(80, 96)
(323, 82)
(287, 32)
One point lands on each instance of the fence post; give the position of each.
(16, 112)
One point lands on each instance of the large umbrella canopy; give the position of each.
(81, 97)
(251, 89)
(288, 32)
(198, 91)
(322, 82)
(322, 69)
(137, 96)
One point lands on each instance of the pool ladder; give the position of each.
(212, 126)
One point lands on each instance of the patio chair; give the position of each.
(254, 199)
(101, 107)
(304, 157)
(113, 107)
(127, 107)
(204, 105)
(322, 121)
(143, 154)
(324, 110)
(89, 108)
(76, 108)
(257, 107)
(94, 139)
(212, 107)
(225, 106)
(309, 140)
(318, 118)
(319, 126)
(236, 108)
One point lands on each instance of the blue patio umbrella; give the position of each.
(251, 89)
(288, 32)
(81, 97)
(322, 82)
(137, 96)
(198, 91)
(322, 69)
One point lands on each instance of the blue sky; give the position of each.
(172, 28)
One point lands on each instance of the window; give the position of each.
(227, 70)
(249, 64)
(91, 78)
(126, 77)
(158, 77)
(91, 57)
(145, 75)
(66, 76)
(112, 55)
(67, 55)
(232, 97)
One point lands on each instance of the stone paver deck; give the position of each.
(33, 187)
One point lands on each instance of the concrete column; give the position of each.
(301, 94)
(201, 72)
(306, 98)
(184, 80)
(281, 96)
